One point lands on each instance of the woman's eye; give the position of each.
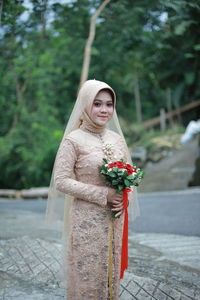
(99, 104)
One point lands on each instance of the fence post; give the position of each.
(162, 119)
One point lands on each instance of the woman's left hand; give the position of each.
(118, 208)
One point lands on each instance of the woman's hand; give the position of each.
(116, 201)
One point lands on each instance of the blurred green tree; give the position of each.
(148, 52)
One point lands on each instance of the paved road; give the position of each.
(176, 212)
(34, 205)
(161, 266)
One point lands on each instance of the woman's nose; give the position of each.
(103, 108)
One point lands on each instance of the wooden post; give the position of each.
(156, 121)
(136, 91)
(162, 119)
(169, 105)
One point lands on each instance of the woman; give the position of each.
(94, 238)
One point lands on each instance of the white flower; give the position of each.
(108, 149)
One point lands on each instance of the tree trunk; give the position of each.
(44, 20)
(1, 9)
(87, 53)
(136, 91)
(20, 90)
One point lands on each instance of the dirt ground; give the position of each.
(173, 172)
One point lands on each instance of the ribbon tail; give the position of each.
(124, 251)
(110, 263)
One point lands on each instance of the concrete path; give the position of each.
(173, 172)
(161, 266)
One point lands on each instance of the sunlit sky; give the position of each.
(28, 4)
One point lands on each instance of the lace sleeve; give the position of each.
(64, 166)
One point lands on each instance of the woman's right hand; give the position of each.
(115, 201)
(113, 197)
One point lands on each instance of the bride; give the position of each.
(94, 238)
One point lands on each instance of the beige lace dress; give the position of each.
(94, 247)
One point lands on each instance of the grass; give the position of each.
(152, 139)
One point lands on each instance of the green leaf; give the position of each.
(111, 174)
(104, 168)
(115, 182)
(197, 47)
(141, 173)
(120, 188)
(189, 77)
(103, 172)
(105, 160)
(189, 55)
(125, 174)
(127, 182)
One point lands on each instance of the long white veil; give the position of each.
(59, 204)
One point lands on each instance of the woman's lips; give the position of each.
(103, 117)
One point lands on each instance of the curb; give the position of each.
(42, 192)
(25, 194)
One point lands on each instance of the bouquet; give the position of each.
(121, 175)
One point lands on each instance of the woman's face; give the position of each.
(102, 108)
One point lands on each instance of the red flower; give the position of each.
(117, 164)
(129, 167)
(110, 165)
(130, 172)
(120, 164)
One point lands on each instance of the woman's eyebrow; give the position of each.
(102, 100)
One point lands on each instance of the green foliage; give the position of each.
(133, 132)
(155, 140)
(27, 155)
(42, 47)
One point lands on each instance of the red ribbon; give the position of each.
(124, 251)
